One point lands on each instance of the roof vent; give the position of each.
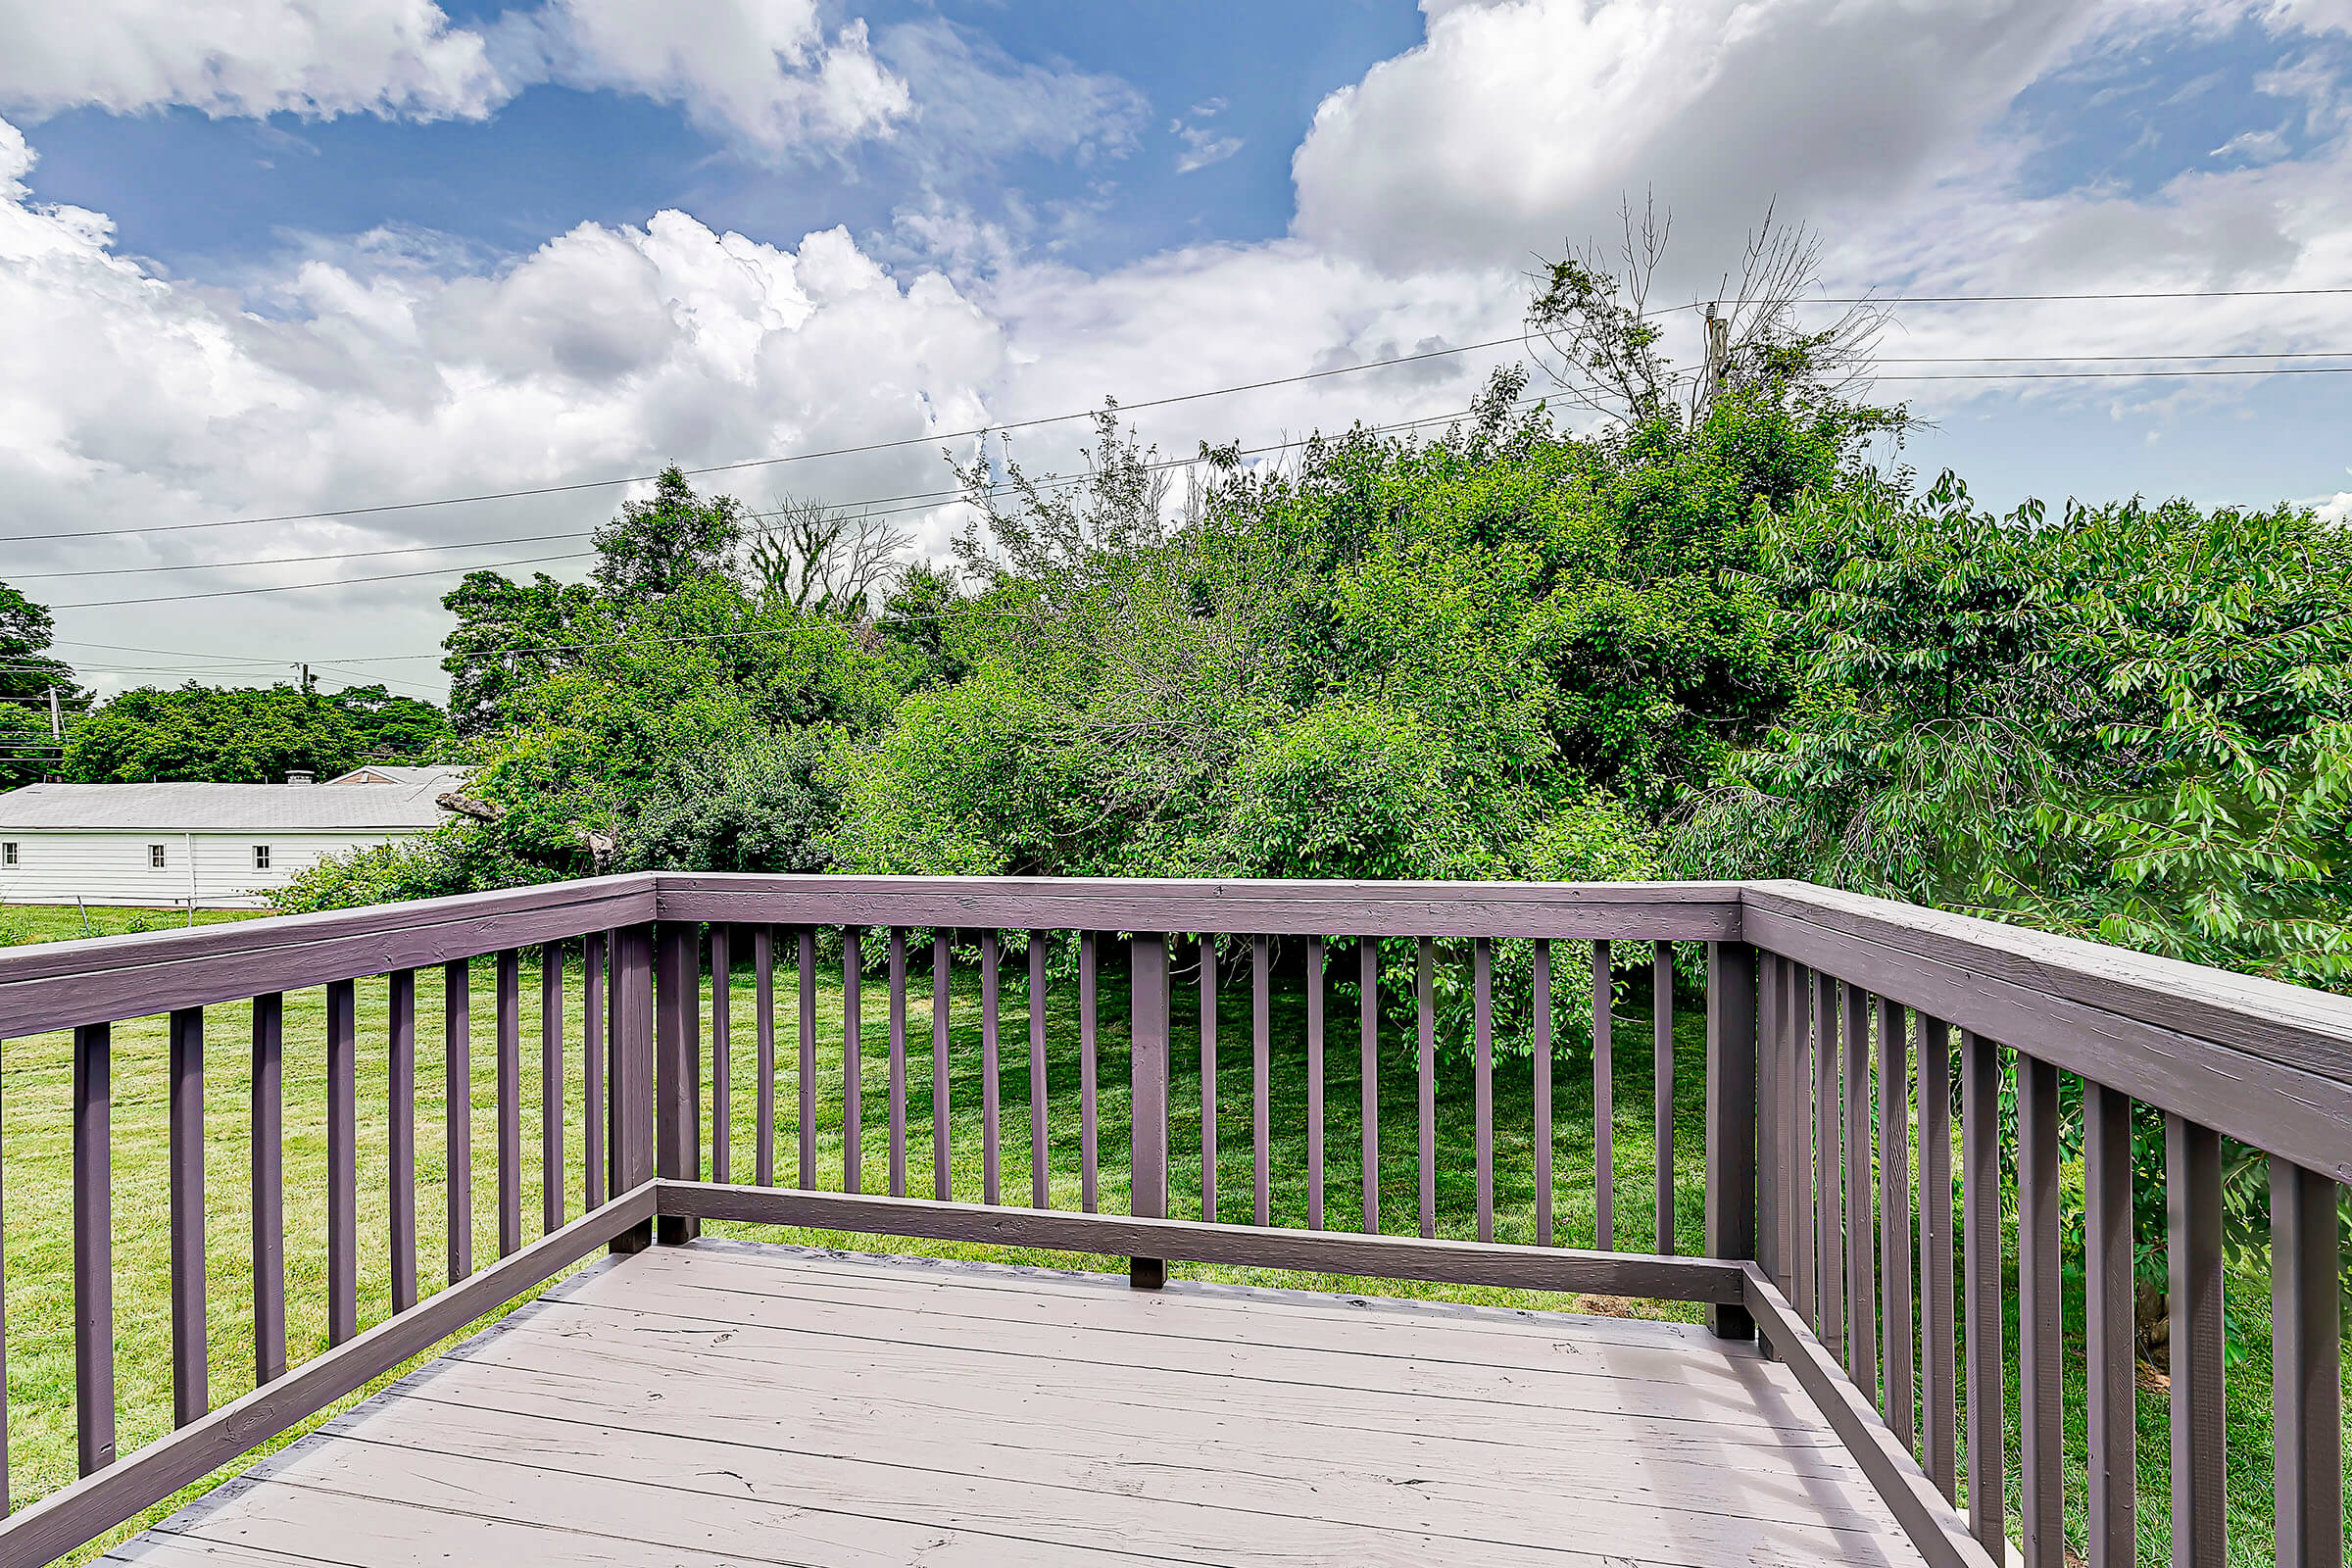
(302, 775)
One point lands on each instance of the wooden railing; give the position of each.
(1829, 1052)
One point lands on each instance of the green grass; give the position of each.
(34, 1101)
(66, 922)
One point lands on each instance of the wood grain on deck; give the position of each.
(730, 1403)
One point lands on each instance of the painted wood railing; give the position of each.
(1829, 1058)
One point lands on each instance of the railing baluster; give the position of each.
(594, 954)
(898, 1062)
(400, 1140)
(990, 983)
(2039, 1343)
(943, 1171)
(1040, 1170)
(763, 1055)
(510, 1101)
(342, 1162)
(1980, 1077)
(853, 1061)
(1541, 1091)
(1662, 1109)
(2193, 1226)
(1426, 1107)
(2108, 1348)
(1261, 1069)
(269, 1190)
(93, 1245)
(2306, 1364)
(192, 1397)
(1314, 1083)
(456, 1078)
(1828, 1145)
(1604, 1107)
(1208, 1072)
(1772, 1122)
(1861, 1233)
(807, 1086)
(1481, 1093)
(722, 1051)
(1803, 1183)
(551, 1087)
(1939, 1377)
(1895, 1217)
(1367, 980)
(1089, 1028)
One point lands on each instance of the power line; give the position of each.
(333, 582)
(1153, 403)
(2129, 375)
(789, 457)
(2027, 298)
(2082, 359)
(1051, 483)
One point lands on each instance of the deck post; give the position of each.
(678, 1064)
(629, 1086)
(1731, 1118)
(1148, 1037)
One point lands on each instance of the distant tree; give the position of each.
(1600, 335)
(654, 547)
(823, 559)
(27, 669)
(392, 729)
(27, 672)
(922, 614)
(244, 735)
(508, 637)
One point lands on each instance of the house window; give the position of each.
(155, 856)
(261, 857)
(8, 855)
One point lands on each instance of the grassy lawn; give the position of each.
(34, 1101)
(64, 922)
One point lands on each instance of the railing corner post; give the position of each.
(630, 1085)
(1730, 1120)
(1147, 1035)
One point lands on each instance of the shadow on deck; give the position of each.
(747, 1403)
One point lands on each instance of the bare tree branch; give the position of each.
(823, 559)
(1593, 327)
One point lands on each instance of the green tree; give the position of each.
(249, 735)
(508, 637)
(654, 547)
(27, 669)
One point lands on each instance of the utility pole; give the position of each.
(57, 726)
(1719, 351)
(306, 678)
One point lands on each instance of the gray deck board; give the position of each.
(723, 1402)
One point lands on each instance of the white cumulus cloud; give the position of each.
(244, 57)
(1519, 123)
(763, 73)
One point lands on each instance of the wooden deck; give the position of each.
(735, 1404)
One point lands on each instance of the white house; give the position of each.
(219, 846)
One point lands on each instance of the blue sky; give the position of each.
(275, 258)
(210, 197)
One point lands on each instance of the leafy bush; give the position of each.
(759, 805)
